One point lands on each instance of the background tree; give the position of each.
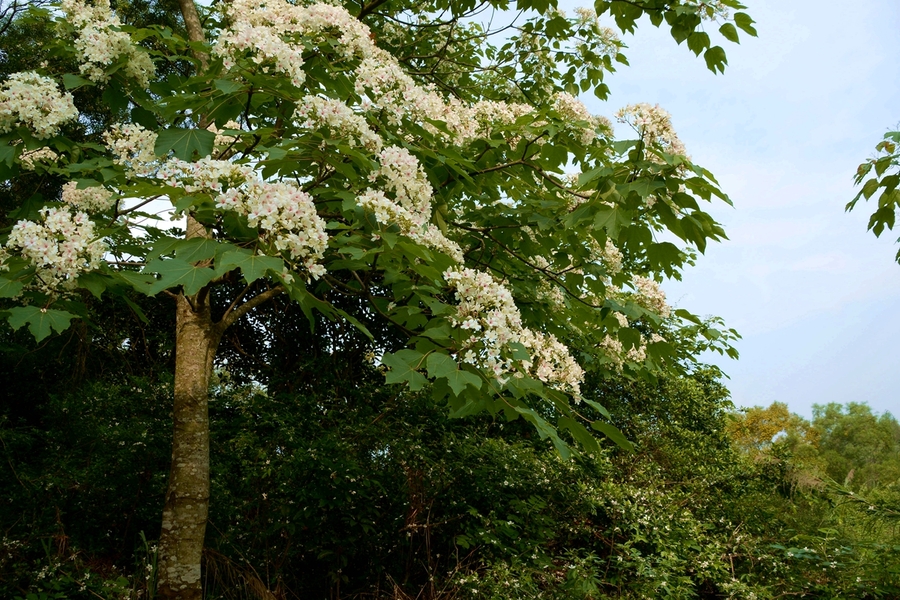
(756, 429)
(857, 446)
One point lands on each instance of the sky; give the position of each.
(813, 293)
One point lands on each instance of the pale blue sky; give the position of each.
(814, 294)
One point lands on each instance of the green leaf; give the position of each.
(174, 272)
(141, 282)
(598, 407)
(7, 154)
(442, 366)
(698, 42)
(144, 117)
(403, 365)
(186, 144)
(730, 33)
(164, 245)
(10, 288)
(519, 351)
(612, 219)
(544, 429)
(580, 433)
(460, 379)
(523, 386)
(115, 97)
(136, 309)
(643, 186)
(744, 21)
(197, 249)
(688, 316)
(40, 320)
(95, 283)
(437, 332)
(614, 434)
(869, 188)
(593, 174)
(29, 209)
(715, 59)
(227, 86)
(73, 82)
(355, 322)
(252, 266)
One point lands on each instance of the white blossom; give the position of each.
(100, 43)
(60, 245)
(132, 147)
(42, 156)
(487, 309)
(34, 101)
(649, 295)
(654, 125)
(90, 199)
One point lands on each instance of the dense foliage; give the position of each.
(336, 491)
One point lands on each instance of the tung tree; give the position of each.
(436, 169)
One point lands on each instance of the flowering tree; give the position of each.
(439, 172)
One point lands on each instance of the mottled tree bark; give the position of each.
(194, 29)
(187, 499)
(186, 508)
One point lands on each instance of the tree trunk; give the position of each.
(187, 499)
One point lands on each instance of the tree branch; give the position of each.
(367, 9)
(233, 314)
(194, 30)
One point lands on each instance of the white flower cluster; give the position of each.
(285, 214)
(487, 309)
(586, 16)
(410, 209)
(60, 246)
(34, 101)
(618, 355)
(42, 156)
(405, 177)
(551, 361)
(576, 114)
(270, 31)
(223, 140)
(384, 81)
(205, 176)
(411, 224)
(93, 199)
(100, 44)
(287, 217)
(713, 10)
(610, 256)
(132, 147)
(654, 125)
(339, 118)
(649, 295)
(609, 40)
(570, 107)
